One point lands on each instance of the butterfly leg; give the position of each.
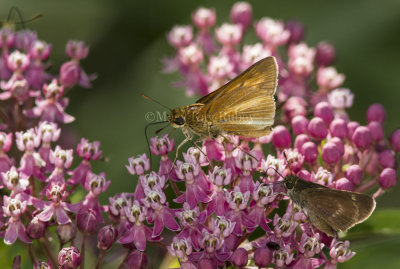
(201, 150)
(188, 136)
(230, 141)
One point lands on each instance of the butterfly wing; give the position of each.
(340, 209)
(245, 106)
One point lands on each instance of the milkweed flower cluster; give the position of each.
(224, 193)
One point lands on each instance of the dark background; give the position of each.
(127, 40)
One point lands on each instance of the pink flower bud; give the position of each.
(351, 127)
(339, 144)
(376, 130)
(240, 257)
(387, 158)
(66, 232)
(310, 152)
(262, 257)
(242, 14)
(330, 153)
(325, 54)
(36, 228)
(395, 140)
(87, 221)
(135, 260)
(354, 173)
(362, 137)
(387, 178)
(281, 137)
(338, 128)
(376, 112)
(106, 237)
(305, 175)
(344, 184)
(300, 140)
(206, 264)
(296, 30)
(77, 50)
(317, 128)
(324, 111)
(69, 258)
(299, 124)
(204, 17)
(70, 73)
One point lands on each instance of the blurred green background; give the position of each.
(127, 40)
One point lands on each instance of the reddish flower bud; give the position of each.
(344, 184)
(362, 137)
(351, 127)
(206, 264)
(296, 30)
(106, 237)
(262, 257)
(36, 228)
(135, 260)
(240, 257)
(305, 175)
(324, 111)
(325, 54)
(395, 140)
(330, 153)
(70, 73)
(299, 124)
(317, 128)
(242, 14)
(338, 128)
(387, 158)
(376, 130)
(376, 112)
(281, 137)
(339, 144)
(66, 232)
(300, 140)
(310, 152)
(387, 178)
(354, 173)
(87, 221)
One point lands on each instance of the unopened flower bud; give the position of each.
(69, 258)
(106, 237)
(325, 54)
(344, 184)
(87, 221)
(281, 137)
(330, 153)
(376, 130)
(300, 140)
(387, 158)
(387, 178)
(362, 137)
(299, 124)
(296, 30)
(317, 128)
(36, 228)
(324, 111)
(135, 260)
(66, 232)
(354, 173)
(338, 128)
(240, 257)
(310, 152)
(351, 128)
(395, 140)
(262, 257)
(376, 112)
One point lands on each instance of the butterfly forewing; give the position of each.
(348, 208)
(245, 106)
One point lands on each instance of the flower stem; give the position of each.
(100, 259)
(31, 255)
(83, 252)
(366, 186)
(47, 250)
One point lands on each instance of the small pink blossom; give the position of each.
(340, 98)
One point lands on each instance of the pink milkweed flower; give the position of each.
(279, 166)
(15, 182)
(61, 159)
(285, 226)
(48, 133)
(310, 246)
(220, 69)
(272, 32)
(294, 106)
(88, 150)
(160, 214)
(180, 36)
(117, 204)
(196, 186)
(138, 165)
(242, 13)
(56, 206)
(150, 181)
(40, 50)
(137, 232)
(223, 226)
(192, 222)
(24, 39)
(219, 177)
(14, 208)
(5, 145)
(229, 34)
(162, 145)
(324, 177)
(301, 59)
(328, 78)
(194, 155)
(213, 149)
(213, 248)
(27, 141)
(71, 73)
(95, 185)
(52, 107)
(253, 53)
(182, 248)
(18, 62)
(238, 202)
(18, 88)
(204, 18)
(69, 258)
(36, 74)
(283, 256)
(295, 159)
(263, 194)
(339, 251)
(340, 98)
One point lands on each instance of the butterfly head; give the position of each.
(177, 118)
(290, 182)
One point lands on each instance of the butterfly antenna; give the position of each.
(159, 130)
(155, 101)
(273, 168)
(147, 139)
(284, 154)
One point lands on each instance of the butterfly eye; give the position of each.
(179, 120)
(289, 185)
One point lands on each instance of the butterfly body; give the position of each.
(329, 210)
(245, 106)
